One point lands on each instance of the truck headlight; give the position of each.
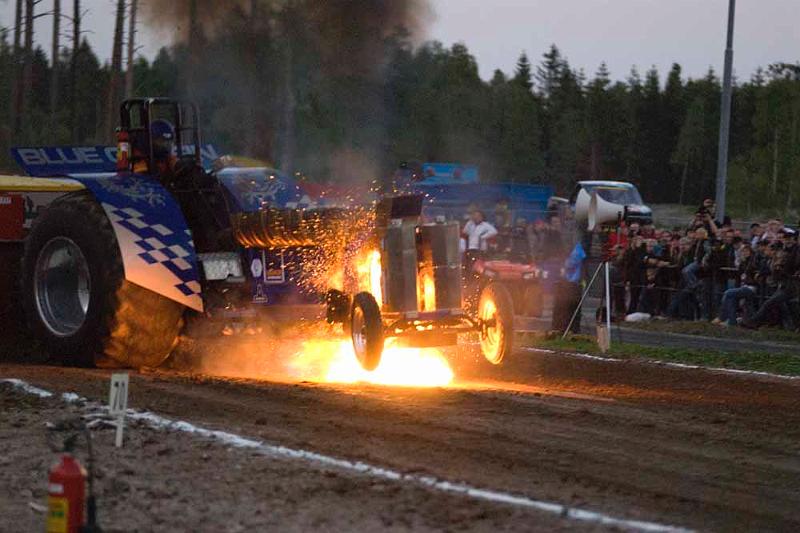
(528, 276)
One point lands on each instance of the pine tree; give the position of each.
(632, 142)
(422, 103)
(73, 69)
(15, 108)
(599, 121)
(55, 54)
(27, 69)
(549, 71)
(758, 79)
(690, 143)
(90, 81)
(674, 109)
(652, 142)
(634, 81)
(603, 76)
(498, 79)
(114, 86)
(674, 99)
(523, 75)
(129, 74)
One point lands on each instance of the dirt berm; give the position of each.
(682, 447)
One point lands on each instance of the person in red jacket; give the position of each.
(616, 240)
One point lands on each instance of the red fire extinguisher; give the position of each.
(66, 496)
(123, 150)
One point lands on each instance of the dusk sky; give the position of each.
(621, 32)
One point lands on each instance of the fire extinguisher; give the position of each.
(123, 150)
(69, 508)
(66, 499)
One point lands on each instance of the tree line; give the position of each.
(276, 84)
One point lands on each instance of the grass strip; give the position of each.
(708, 329)
(760, 361)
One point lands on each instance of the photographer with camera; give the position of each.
(704, 217)
(784, 278)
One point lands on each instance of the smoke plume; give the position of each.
(297, 82)
(349, 32)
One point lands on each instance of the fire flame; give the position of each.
(369, 275)
(333, 361)
(428, 293)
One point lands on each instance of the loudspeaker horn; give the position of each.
(582, 206)
(602, 211)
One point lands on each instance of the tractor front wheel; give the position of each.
(366, 330)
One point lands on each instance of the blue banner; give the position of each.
(448, 173)
(455, 201)
(45, 161)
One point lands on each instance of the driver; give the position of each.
(162, 135)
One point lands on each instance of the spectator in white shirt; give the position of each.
(477, 232)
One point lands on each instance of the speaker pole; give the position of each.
(583, 297)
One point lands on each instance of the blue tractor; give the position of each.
(116, 257)
(122, 246)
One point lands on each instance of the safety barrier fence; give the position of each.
(702, 301)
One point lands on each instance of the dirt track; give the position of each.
(680, 447)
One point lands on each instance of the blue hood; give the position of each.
(250, 189)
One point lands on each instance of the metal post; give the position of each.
(725, 116)
(580, 304)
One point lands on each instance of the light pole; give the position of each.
(725, 116)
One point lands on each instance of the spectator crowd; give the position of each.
(545, 239)
(708, 270)
(705, 270)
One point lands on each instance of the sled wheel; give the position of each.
(77, 300)
(496, 312)
(366, 330)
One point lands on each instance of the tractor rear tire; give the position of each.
(77, 300)
(496, 310)
(366, 330)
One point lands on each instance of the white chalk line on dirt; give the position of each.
(734, 371)
(158, 422)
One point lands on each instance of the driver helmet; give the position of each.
(162, 134)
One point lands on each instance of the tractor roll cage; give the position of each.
(137, 114)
